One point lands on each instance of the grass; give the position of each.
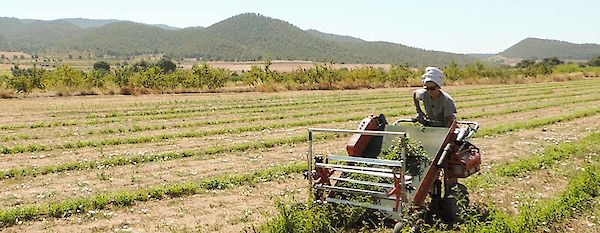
(112, 199)
(124, 160)
(535, 123)
(576, 198)
(581, 189)
(128, 198)
(93, 120)
(500, 129)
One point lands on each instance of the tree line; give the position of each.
(165, 77)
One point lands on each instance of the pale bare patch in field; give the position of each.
(5, 68)
(284, 66)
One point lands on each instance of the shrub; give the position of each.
(102, 65)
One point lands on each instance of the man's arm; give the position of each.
(416, 98)
(450, 112)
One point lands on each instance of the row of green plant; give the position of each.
(106, 200)
(123, 160)
(575, 199)
(223, 109)
(189, 134)
(470, 94)
(258, 108)
(552, 155)
(357, 108)
(538, 122)
(109, 200)
(61, 123)
(309, 101)
(393, 105)
(406, 110)
(534, 106)
(120, 160)
(18, 137)
(275, 98)
(545, 159)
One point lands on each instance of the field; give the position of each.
(220, 162)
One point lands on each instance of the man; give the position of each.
(439, 105)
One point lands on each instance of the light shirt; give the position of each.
(442, 109)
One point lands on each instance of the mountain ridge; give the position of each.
(537, 48)
(244, 37)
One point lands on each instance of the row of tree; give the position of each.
(159, 76)
(164, 75)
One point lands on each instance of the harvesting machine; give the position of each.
(399, 185)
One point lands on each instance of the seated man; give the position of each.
(439, 105)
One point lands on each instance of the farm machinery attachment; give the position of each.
(365, 175)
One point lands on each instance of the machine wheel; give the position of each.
(455, 201)
(398, 227)
(401, 225)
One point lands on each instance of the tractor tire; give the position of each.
(455, 201)
(398, 227)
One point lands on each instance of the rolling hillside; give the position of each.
(240, 38)
(533, 48)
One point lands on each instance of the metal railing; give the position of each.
(393, 169)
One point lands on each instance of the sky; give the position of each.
(459, 26)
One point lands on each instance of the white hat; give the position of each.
(433, 74)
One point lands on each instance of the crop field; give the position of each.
(221, 162)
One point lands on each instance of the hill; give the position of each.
(534, 48)
(240, 38)
(88, 23)
(333, 37)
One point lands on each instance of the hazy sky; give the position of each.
(460, 26)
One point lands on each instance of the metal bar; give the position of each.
(359, 168)
(309, 154)
(361, 204)
(364, 132)
(364, 182)
(403, 173)
(376, 194)
(381, 162)
(371, 173)
(476, 125)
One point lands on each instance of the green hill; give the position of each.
(88, 23)
(34, 35)
(333, 37)
(240, 38)
(533, 48)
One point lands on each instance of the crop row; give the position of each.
(222, 107)
(580, 189)
(128, 198)
(260, 107)
(194, 134)
(535, 123)
(119, 160)
(359, 108)
(113, 120)
(394, 105)
(243, 101)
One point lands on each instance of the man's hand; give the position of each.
(421, 118)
